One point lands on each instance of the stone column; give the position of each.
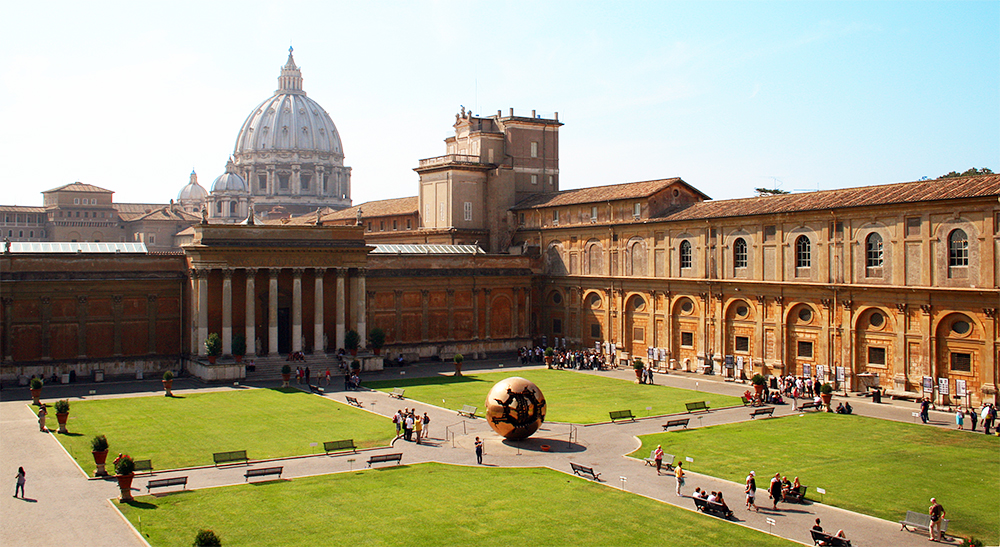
(489, 312)
(227, 311)
(341, 320)
(424, 315)
(847, 342)
(318, 323)
(193, 287)
(251, 311)
(202, 311)
(780, 343)
(297, 309)
(151, 313)
(527, 311)
(272, 311)
(362, 315)
(116, 314)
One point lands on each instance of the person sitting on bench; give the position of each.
(720, 501)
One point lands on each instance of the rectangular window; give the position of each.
(769, 233)
(534, 149)
(743, 344)
(637, 209)
(489, 155)
(394, 225)
(687, 339)
(913, 227)
(283, 182)
(520, 219)
(551, 180)
(534, 179)
(961, 362)
(805, 349)
(555, 216)
(468, 210)
(381, 226)
(369, 226)
(638, 334)
(152, 239)
(557, 326)
(262, 182)
(593, 213)
(876, 356)
(409, 224)
(595, 330)
(304, 181)
(324, 179)
(76, 201)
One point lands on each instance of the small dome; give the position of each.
(229, 181)
(193, 190)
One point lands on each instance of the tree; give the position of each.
(770, 192)
(969, 173)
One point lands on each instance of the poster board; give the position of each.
(928, 384)
(943, 386)
(960, 389)
(841, 374)
(807, 370)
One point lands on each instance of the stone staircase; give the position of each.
(269, 368)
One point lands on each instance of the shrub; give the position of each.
(826, 389)
(62, 406)
(36, 383)
(239, 345)
(99, 443)
(351, 340)
(376, 338)
(549, 352)
(637, 363)
(124, 465)
(167, 376)
(971, 542)
(458, 358)
(285, 369)
(213, 345)
(207, 538)
(758, 380)
(355, 365)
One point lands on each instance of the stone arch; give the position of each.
(594, 329)
(961, 346)
(637, 256)
(862, 269)
(555, 262)
(685, 328)
(594, 260)
(875, 347)
(944, 272)
(803, 328)
(740, 331)
(731, 249)
(637, 324)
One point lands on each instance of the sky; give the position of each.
(800, 96)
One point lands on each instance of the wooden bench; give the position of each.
(144, 466)
(338, 446)
(468, 410)
(710, 507)
(162, 483)
(581, 471)
(384, 458)
(822, 538)
(697, 406)
(668, 461)
(675, 423)
(795, 496)
(810, 404)
(621, 415)
(231, 456)
(262, 472)
(353, 401)
(762, 411)
(316, 389)
(921, 521)
(398, 392)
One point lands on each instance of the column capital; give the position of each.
(319, 271)
(227, 273)
(273, 272)
(297, 272)
(719, 296)
(362, 272)
(251, 272)
(926, 308)
(487, 291)
(425, 292)
(81, 299)
(703, 296)
(46, 300)
(827, 302)
(847, 304)
(151, 298)
(450, 291)
(370, 294)
(761, 299)
(990, 312)
(398, 293)
(116, 299)
(341, 272)
(195, 273)
(780, 300)
(901, 307)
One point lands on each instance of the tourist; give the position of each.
(479, 451)
(426, 420)
(42, 412)
(418, 428)
(925, 406)
(397, 419)
(658, 458)
(775, 489)
(751, 490)
(960, 418)
(679, 475)
(308, 376)
(20, 482)
(721, 501)
(327, 375)
(974, 416)
(816, 526)
(408, 431)
(936, 512)
(989, 415)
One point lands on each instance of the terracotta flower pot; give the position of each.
(826, 398)
(212, 358)
(759, 388)
(285, 378)
(238, 358)
(35, 395)
(168, 386)
(100, 458)
(62, 418)
(125, 485)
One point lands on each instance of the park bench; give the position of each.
(468, 410)
(144, 466)
(315, 389)
(231, 456)
(762, 411)
(810, 404)
(710, 507)
(822, 538)
(675, 423)
(795, 496)
(621, 415)
(353, 401)
(397, 392)
(384, 458)
(172, 481)
(262, 472)
(697, 406)
(668, 461)
(921, 521)
(581, 471)
(337, 446)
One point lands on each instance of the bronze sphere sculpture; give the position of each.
(515, 408)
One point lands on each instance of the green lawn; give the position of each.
(184, 431)
(870, 466)
(570, 396)
(431, 504)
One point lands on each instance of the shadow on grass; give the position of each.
(425, 381)
(68, 434)
(141, 504)
(176, 396)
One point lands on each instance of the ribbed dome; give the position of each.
(289, 120)
(193, 190)
(229, 181)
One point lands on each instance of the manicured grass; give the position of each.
(431, 504)
(185, 431)
(570, 396)
(870, 466)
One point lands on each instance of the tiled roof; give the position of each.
(886, 194)
(601, 194)
(380, 208)
(132, 211)
(79, 187)
(166, 214)
(303, 219)
(21, 209)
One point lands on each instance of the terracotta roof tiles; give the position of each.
(601, 194)
(380, 208)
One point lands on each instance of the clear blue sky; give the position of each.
(131, 96)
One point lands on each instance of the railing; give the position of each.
(450, 158)
(450, 435)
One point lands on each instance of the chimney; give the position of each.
(511, 112)
(557, 116)
(532, 113)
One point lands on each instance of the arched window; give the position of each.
(803, 252)
(958, 248)
(740, 253)
(218, 207)
(873, 250)
(685, 254)
(232, 208)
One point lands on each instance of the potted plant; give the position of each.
(207, 538)
(376, 339)
(758, 382)
(36, 391)
(213, 346)
(286, 375)
(457, 359)
(637, 366)
(355, 366)
(549, 356)
(99, 448)
(826, 394)
(351, 341)
(239, 347)
(125, 472)
(62, 414)
(168, 383)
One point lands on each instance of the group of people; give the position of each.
(562, 358)
(988, 414)
(410, 424)
(713, 497)
(818, 528)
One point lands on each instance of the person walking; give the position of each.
(20, 482)
(751, 490)
(679, 475)
(775, 489)
(985, 415)
(418, 427)
(42, 413)
(960, 418)
(936, 512)
(426, 420)
(409, 427)
(397, 419)
(479, 451)
(925, 406)
(974, 416)
(658, 457)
